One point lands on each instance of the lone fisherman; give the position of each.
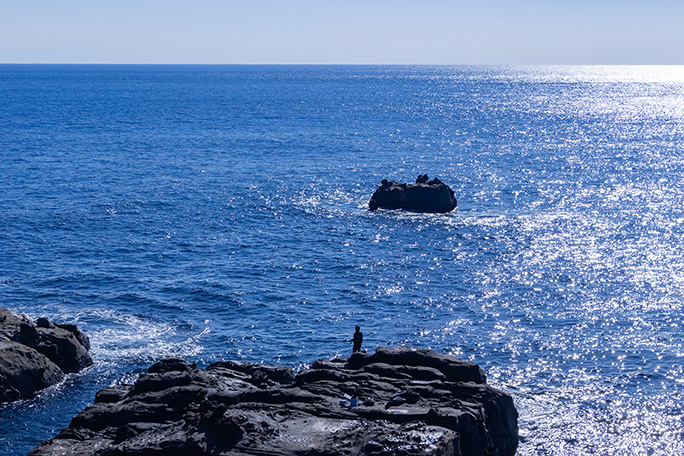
(357, 339)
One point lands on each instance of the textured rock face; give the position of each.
(423, 196)
(408, 402)
(35, 355)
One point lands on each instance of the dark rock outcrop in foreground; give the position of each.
(423, 196)
(35, 355)
(410, 402)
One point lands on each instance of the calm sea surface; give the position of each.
(220, 212)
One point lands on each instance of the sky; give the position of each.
(342, 31)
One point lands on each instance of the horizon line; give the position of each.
(341, 64)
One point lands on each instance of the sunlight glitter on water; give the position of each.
(245, 234)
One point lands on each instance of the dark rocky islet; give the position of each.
(425, 195)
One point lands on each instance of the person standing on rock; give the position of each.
(357, 339)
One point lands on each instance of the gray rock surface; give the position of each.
(35, 355)
(410, 401)
(423, 196)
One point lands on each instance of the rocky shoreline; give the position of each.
(37, 354)
(397, 401)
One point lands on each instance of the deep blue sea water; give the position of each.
(220, 212)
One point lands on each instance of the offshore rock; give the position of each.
(35, 355)
(398, 401)
(423, 196)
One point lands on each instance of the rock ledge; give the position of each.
(35, 355)
(398, 401)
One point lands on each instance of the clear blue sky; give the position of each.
(343, 31)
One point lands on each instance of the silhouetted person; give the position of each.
(357, 339)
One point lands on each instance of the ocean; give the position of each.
(220, 212)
